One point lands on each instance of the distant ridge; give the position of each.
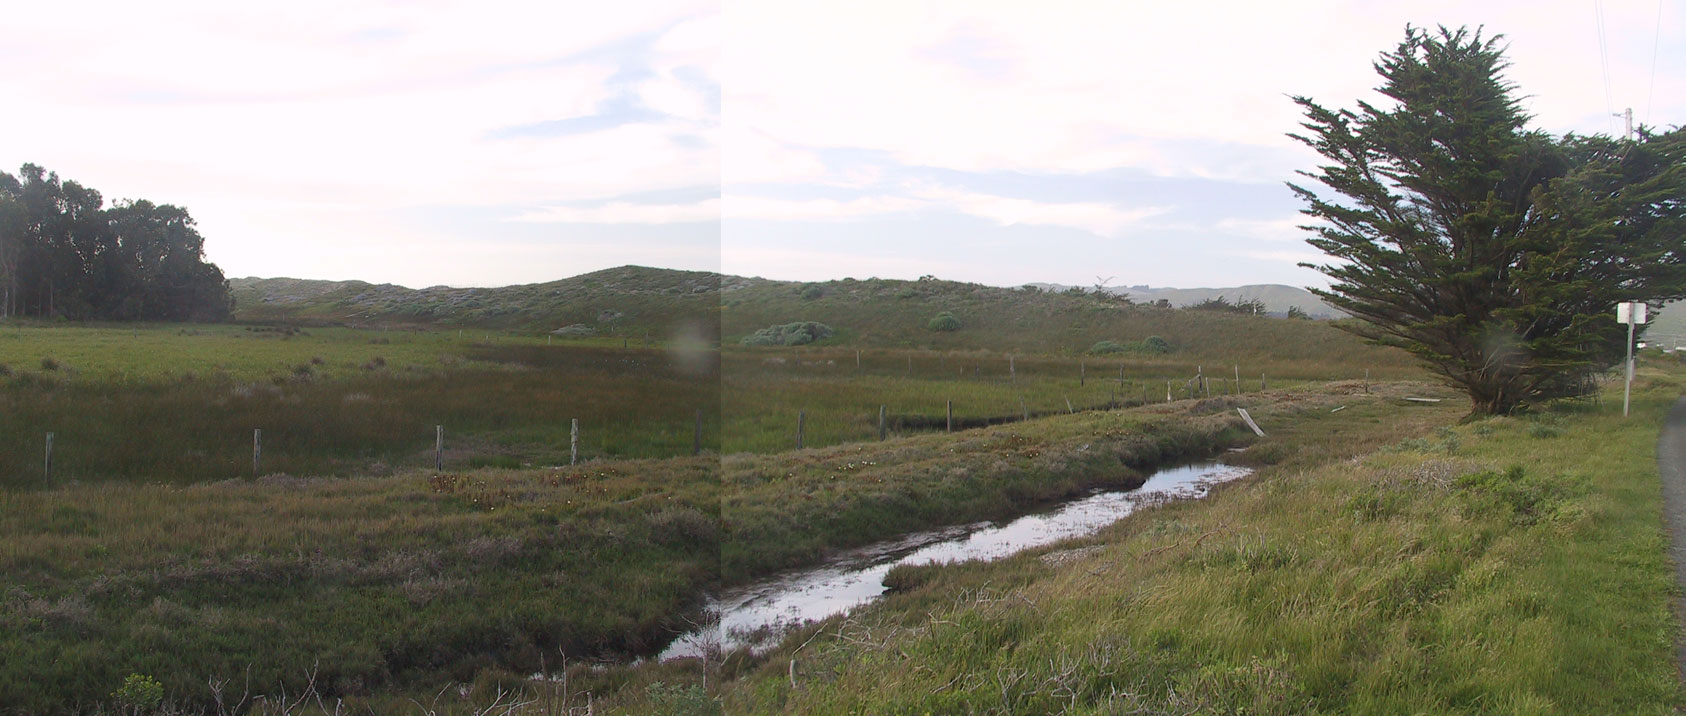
(617, 301)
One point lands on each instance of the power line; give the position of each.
(1656, 42)
(1604, 59)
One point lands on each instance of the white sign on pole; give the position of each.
(1630, 313)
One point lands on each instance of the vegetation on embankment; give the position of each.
(1387, 561)
(790, 508)
(370, 583)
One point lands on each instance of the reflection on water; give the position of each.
(754, 615)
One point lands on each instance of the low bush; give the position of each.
(945, 322)
(789, 334)
(1150, 344)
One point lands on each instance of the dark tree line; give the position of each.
(64, 253)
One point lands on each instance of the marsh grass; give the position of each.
(418, 578)
(762, 390)
(1388, 561)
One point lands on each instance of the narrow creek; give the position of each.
(757, 614)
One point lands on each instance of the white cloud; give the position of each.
(1267, 229)
(621, 212)
(339, 115)
(1094, 217)
(769, 209)
(1088, 86)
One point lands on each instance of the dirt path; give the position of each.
(1671, 462)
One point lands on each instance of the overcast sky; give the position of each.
(490, 143)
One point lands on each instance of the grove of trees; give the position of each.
(63, 253)
(1494, 253)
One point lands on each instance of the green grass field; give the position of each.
(168, 404)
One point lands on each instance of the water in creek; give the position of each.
(754, 615)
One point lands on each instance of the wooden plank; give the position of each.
(1250, 423)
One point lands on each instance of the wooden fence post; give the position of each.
(1082, 373)
(47, 466)
(257, 451)
(1261, 382)
(882, 432)
(950, 412)
(801, 419)
(438, 447)
(1012, 370)
(574, 441)
(857, 359)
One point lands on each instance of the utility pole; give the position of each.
(1629, 116)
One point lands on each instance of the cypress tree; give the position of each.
(1494, 253)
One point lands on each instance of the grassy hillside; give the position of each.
(896, 314)
(627, 301)
(1277, 298)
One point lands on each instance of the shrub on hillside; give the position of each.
(789, 334)
(812, 292)
(577, 329)
(944, 321)
(1150, 344)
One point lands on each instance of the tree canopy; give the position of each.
(1494, 253)
(63, 253)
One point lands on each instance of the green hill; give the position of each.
(874, 313)
(630, 300)
(897, 314)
